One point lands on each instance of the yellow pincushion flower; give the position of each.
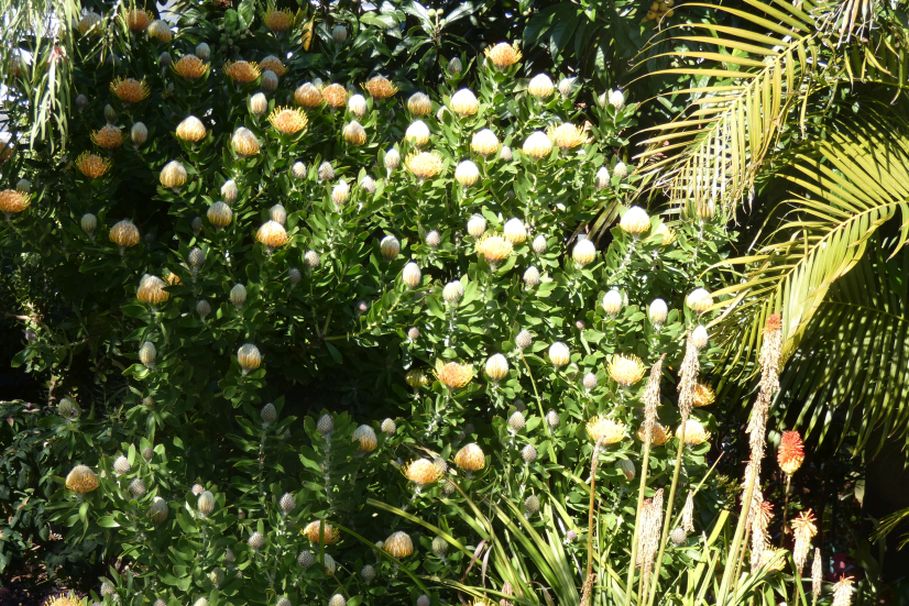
(659, 436)
(494, 248)
(503, 55)
(288, 121)
(241, 72)
(81, 479)
(703, 395)
(244, 142)
(695, 432)
(380, 87)
(605, 431)
(190, 67)
(470, 458)
(152, 290)
(124, 234)
(422, 472)
(108, 137)
(92, 165)
(567, 135)
(278, 20)
(272, 234)
(190, 129)
(321, 532)
(13, 202)
(424, 165)
(138, 19)
(626, 370)
(454, 375)
(274, 64)
(398, 545)
(335, 96)
(67, 599)
(130, 90)
(308, 95)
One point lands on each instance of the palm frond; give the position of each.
(857, 181)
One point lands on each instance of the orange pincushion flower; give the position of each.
(130, 90)
(454, 375)
(12, 201)
(108, 137)
(658, 436)
(241, 72)
(288, 121)
(503, 55)
(274, 64)
(190, 67)
(138, 19)
(321, 532)
(92, 165)
(422, 472)
(308, 95)
(335, 95)
(278, 20)
(791, 453)
(380, 87)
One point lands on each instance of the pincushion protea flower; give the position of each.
(190, 67)
(470, 457)
(695, 432)
(464, 103)
(124, 234)
(191, 129)
(108, 137)
(380, 87)
(242, 72)
(454, 375)
(537, 145)
(287, 120)
(567, 136)
(398, 545)
(703, 395)
(424, 165)
(494, 248)
(278, 20)
(273, 64)
(92, 165)
(419, 104)
(335, 96)
(791, 452)
(138, 19)
(160, 30)
(130, 90)
(540, 86)
(354, 133)
(152, 290)
(308, 95)
(173, 175)
(503, 55)
(659, 435)
(635, 221)
(365, 437)
(321, 532)
(484, 142)
(422, 472)
(13, 202)
(605, 431)
(81, 479)
(244, 142)
(626, 370)
(272, 234)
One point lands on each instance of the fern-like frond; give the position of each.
(857, 181)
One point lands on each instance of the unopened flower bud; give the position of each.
(658, 312)
(339, 33)
(287, 503)
(516, 421)
(229, 191)
(411, 275)
(258, 104)
(311, 258)
(523, 339)
(368, 573)
(476, 226)
(529, 454)
(121, 465)
(388, 427)
(589, 381)
(531, 505)
(699, 337)
(613, 301)
(203, 51)
(326, 172)
(325, 425)
(390, 247)
(453, 292)
(392, 159)
(203, 308)
(238, 295)
(148, 354)
(88, 222)
(298, 170)
(158, 510)
(496, 367)
(531, 277)
(439, 546)
(294, 275)
(368, 184)
(256, 541)
(602, 178)
(616, 99)
(552, 419)
(137, 488)
(268, 414)
(206, 503)
(454, 66)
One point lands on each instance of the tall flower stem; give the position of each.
(587, 591)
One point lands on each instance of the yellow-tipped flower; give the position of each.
(484, 142)
(424, 165)
(242, 72)
(537, 146)
(160, 30)
(635, 221)
(354, 133)
(92, 165)
(288, 121)
(470, 458)
(138, 19)
(494, 248)
(335, 96)
(398, 545)
(791, 453)
(81, 479)
(496, 367)
(273, 64)
(321, 532)
(379, 87)
(605, 431)
(454, 375)
(272, 234)
(191, 129)
(422, 472)
(219, 214)
(190, 67)
(244, 142)
(308, 95)
(658, 436)
(703, 395)
(124, 234)
(503, 55)
(419, 104)
(695, 432)
(464, 103)
(626, 370)
(699, 300)
(173, 175)
(152, 290)
(65, 599)
(278, 20)
(567, 136)
(417, 133)
(130, 90)
(108, 137)
(13, 202)
(540, 86)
